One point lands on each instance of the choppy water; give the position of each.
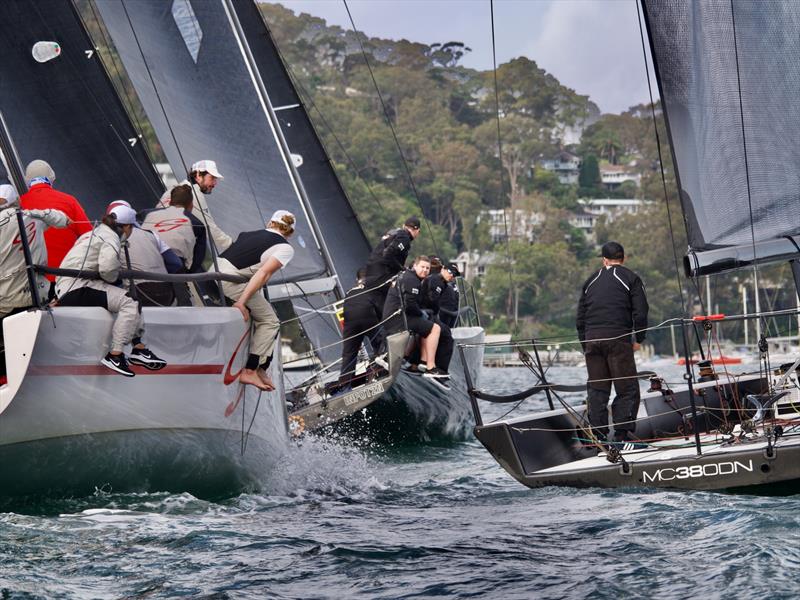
(339, 522)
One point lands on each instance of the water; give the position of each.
(344, 522)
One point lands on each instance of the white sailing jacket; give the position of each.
(175, 229)
(96, 250)
(15, 292)
(200, 210)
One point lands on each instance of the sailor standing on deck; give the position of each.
(360, 322)
(258, 255)
(612, 323)
(387, 259)
(203, 176)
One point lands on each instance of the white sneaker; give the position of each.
(381, 361)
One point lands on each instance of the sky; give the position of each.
(591, 46)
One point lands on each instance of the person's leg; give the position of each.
(266, 328)
(622, 366)
(444, 352)
(350, 347)
(128, 321)
(598, 388)
(429, 344)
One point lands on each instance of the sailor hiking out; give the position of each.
(404, 296)
(146, 252)
(258, 255)
(612, 323)
(100, 250)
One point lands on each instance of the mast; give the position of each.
(275, 125)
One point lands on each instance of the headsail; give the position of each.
(98, 156)
(186, 64)
(734, 158)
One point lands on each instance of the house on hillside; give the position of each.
(473, 264)
(516, 225)
(592, 209)
(614, 176)
(566, 165)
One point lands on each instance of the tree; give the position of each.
(589, 176)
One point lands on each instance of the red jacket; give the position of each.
(58, 241)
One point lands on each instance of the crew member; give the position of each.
(258, 255)
(180, 228)
(100, 250)
(449, 301)
(203, 176)
(15, 292)
(387, 259)
(146, 252)
(402, 301)
(612, 323)
(360, 322)
(40, 176)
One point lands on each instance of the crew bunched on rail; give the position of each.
(100, 250)
(258, 255)
(404, 296)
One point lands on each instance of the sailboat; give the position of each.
(250, 103)
(725, 100)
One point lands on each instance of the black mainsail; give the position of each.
(729, 77)
(71, 116)
(185, 60)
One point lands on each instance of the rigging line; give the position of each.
(511, 288)
(391, 127)
(88, 88)
(209, 237)
(325, 122)
(744, 149)
(661, 164)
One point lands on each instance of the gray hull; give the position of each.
(68, 424)
(416, 410)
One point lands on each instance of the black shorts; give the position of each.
(420, 325)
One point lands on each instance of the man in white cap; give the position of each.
(258, 255)
(15, 291)
(100, 251)
(203, 177)
(40, 176)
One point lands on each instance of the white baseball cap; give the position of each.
(117, 203)
(208, 166)
(279, 216)
(125, 215)
(9, 192)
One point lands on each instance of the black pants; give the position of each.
(155, 293)
(377, 298)
(607, 361)
(357, 328)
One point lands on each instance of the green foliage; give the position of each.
(589, 177)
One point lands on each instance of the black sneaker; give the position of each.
(412, 369)
(117, 363)
(146, 359)
(436, 373)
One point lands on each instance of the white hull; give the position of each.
(68, 422)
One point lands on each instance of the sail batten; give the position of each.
(729, 76)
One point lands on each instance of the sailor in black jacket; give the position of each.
(405, 296)
(387, 259)
(612, 308)
(359, 322)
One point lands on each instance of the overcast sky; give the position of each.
(591, 46)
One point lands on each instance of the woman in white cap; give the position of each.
(100, 250)
(15, 291)
(258, 255)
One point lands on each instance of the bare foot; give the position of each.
(250, 377)
(265, 378)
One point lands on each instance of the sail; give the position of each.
(729, 76)
(348, 245)
(187, 67)
(65, 110)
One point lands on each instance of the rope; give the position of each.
(391, 127)
(511, 289)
